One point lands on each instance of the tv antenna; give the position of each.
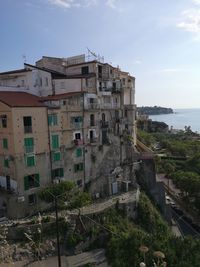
(24, 58)
(93, 56)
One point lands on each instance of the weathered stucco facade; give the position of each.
(83, 130)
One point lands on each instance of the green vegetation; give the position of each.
(67, 194)
(180, 161)
(149, 230)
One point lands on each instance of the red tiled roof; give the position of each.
(60, 96)
(20, 99)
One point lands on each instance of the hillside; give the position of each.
(154, 110)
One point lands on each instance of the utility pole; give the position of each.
(57, 231)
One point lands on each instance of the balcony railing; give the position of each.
(93, 140)
(27, 129)
(76, 125)
(117, 90)
(92, 106)
(29, 149)
(78, 142)
(104, 124)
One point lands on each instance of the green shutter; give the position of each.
(49, 120)
(56, 156)
(6, 163)
(30, 161)
(28, 143)
(37, 180)
(55, 141)
(26, 184)
(5, 143)
(79, 152)
(61, 172)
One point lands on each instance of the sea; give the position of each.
(181, 118)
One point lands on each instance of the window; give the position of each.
(100, 71)
(125, 113)
(57, 173)
(78, 167)
(56, 156)
(5, 143)
(103, 116)
(27, 124)
(3, 119)
(29, 145)
(40, 81)
(79, 152)
(79, 183)
(78, 119)
(31, 181)
(22, 83)
(124, 81)
(77, 136)
(55, 141)
(100, 86)
(92, 121)
(92, 136)
(85, 70)
(46, 81)
(6, 163)
(30, 161)
(52, 119)
(32, 199)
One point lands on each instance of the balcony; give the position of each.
(78, 142)
(104, 124)
(28, 129)
(76, 125)
(92, 106)
(29, 149)
(93, 140)
(116, 90)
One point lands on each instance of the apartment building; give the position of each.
(85, 113)
(24, 157)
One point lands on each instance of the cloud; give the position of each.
(63, 3)
(82, 3)
(191, 22)
(111, 3)
(190, 19)
(167, 70)
(138, 62)
(197, 2)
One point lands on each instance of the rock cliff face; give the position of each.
(154, 110)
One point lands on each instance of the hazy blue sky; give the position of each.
(157, 41)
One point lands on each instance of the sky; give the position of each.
(158, 42)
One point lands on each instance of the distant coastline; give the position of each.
(180, 118)
(156, 110)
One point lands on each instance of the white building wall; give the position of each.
(35, 82)
(67, 85)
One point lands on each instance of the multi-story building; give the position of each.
(24, 159)
(87, 120)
